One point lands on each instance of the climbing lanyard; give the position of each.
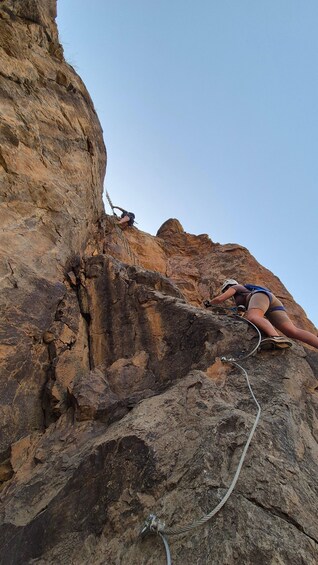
(110, 203)
(129, 214)
(152, 524)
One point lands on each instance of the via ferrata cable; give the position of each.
(153, 524)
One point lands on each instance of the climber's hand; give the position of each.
(207, 303)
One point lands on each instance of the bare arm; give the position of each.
(224, 296)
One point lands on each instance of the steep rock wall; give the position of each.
(52, 164)
(114, 401)
(157, 424)
(197, 265)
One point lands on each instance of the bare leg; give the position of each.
(124, 220)
(283, 323)
(257, 307)
(256, 316)
(290, 330)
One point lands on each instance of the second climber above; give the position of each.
(126, 218)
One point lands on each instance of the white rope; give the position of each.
(259, 335)
(176, 531)
(154, 525)
(168, 556)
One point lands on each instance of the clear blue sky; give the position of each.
(210, 115)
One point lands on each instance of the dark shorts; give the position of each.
(131, 217)
(273, 310)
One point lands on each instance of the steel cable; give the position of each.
(153, 524)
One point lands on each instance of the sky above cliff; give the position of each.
(210, 115)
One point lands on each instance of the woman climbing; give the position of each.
(260, 302)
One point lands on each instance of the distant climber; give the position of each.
(126, 218)
(264, 310)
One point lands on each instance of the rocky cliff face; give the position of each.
(52, 163)
(114, 400)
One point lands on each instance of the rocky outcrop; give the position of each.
(114, 400)
(195, 263)
(52, 163)
(152, 421)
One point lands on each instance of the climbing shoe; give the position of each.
(275, 342)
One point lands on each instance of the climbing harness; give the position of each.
(152, 524)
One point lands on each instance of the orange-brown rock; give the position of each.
(52, 163)
(197, 265)
(114, 400)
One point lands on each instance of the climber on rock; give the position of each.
(266, 311)
(126, 218)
